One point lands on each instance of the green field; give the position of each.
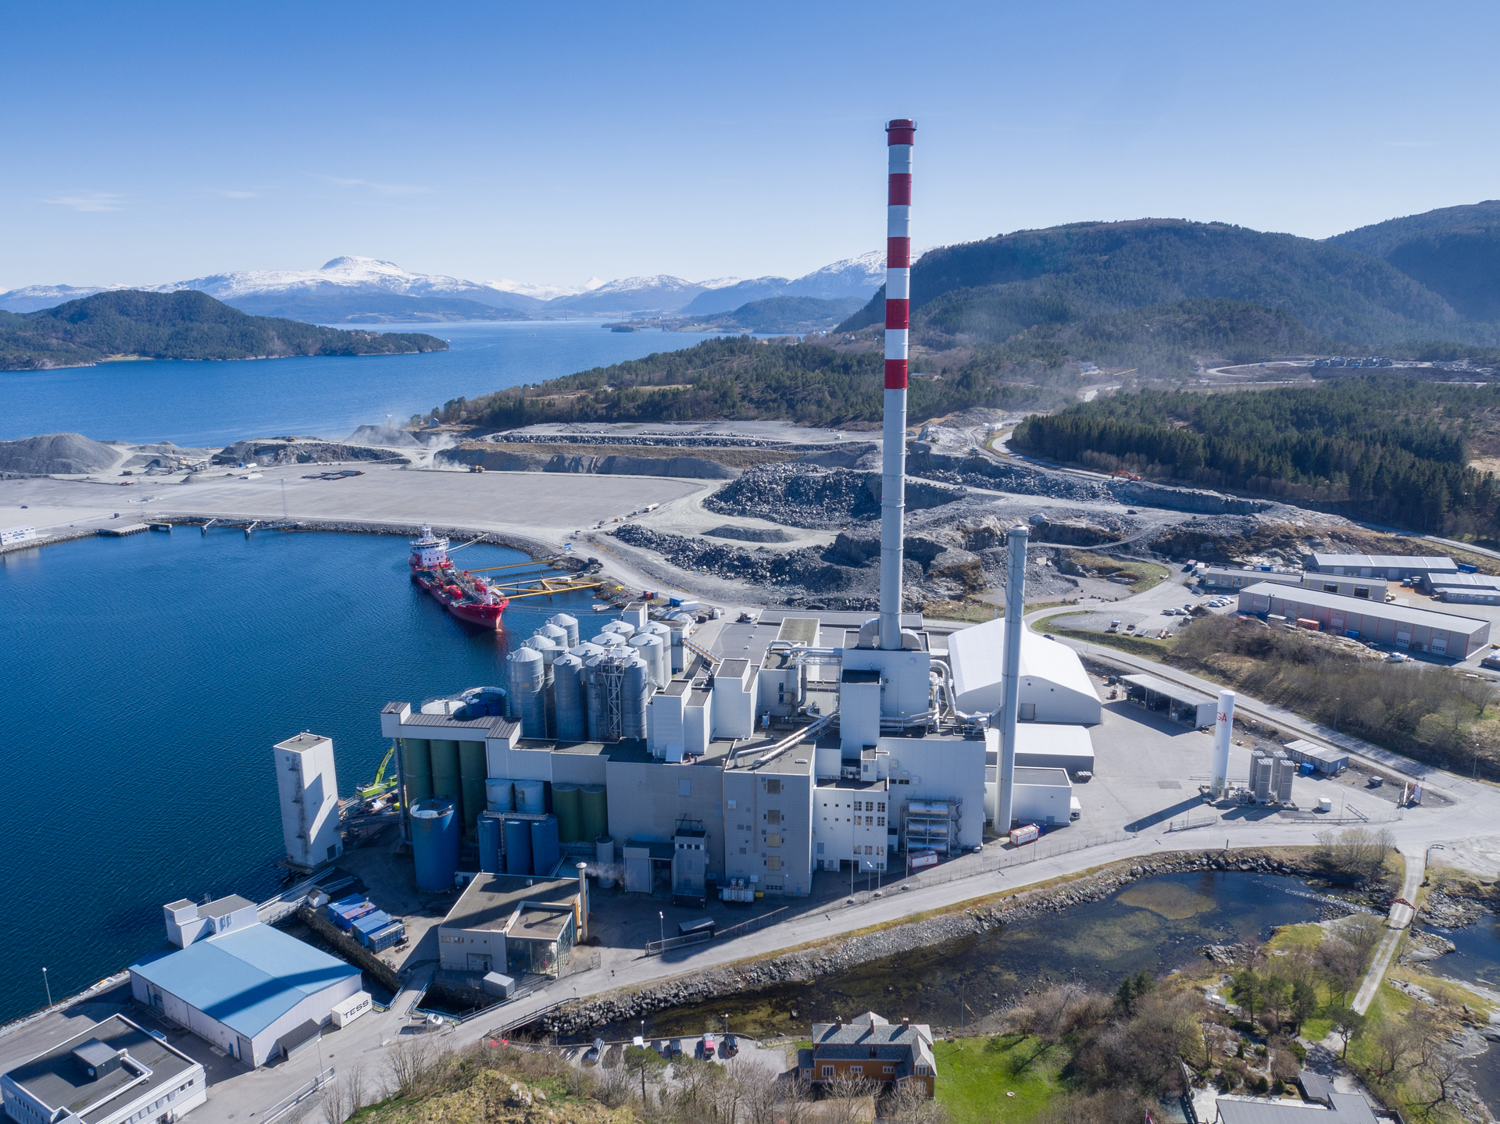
(976, 1074)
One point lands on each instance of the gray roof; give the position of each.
(489, 900)
(500, 726)
(1315, 1087)
(1030, 774)
(1473, 581)
(1348, 1108)
(1422, 618)
(1170, 690)
(871, 1037)
(58, 1079)
(230, 903)
(1385, 561)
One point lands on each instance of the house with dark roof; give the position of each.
(870, 1048)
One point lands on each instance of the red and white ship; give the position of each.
(467, 597)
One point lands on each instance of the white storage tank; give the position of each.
(633, 698)
(619, 628)
(558, 636)
(531, 798)
(498, 795)
(569, 625)
(568, 697)
(648, 647)
(526, 674)
(586, 651)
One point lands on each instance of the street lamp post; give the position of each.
(662, 917)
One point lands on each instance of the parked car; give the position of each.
(707, 1047)
(730, 1046)
(674, 1048)
(591, 1056)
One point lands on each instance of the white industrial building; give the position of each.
(1464, 589)
(1043, 796)
(1225, 577)
(1419, 630)
(244, 987)
(1054, 686)
(1392, 567)
(308, 787)
(115, 1072)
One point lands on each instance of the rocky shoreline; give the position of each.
(809, 964)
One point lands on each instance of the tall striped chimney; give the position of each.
(900, 135)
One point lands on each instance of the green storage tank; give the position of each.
(416, 755)
(594, 805)
(445, 775)
(565, 806)
(471, 770)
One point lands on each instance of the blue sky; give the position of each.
(548, 142)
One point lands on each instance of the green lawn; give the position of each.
(974, 1075)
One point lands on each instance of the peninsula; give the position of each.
(182, 325)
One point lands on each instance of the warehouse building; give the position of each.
(112, 1073)
(1042, 796)
(1392, 567)
(1054, 686)
(250, 990)
(1464, 589)
(1418, 630)
(1370, 589)
(1180, 704)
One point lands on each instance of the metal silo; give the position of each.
(517, 846)
(557, 635)
(550, 649)
(604, 855)
(586, 651)
(417, 754)
(498, 795)
(569, 625)
(594, 805)
(565, 806)
(544, 847)
(490, 827)
(435, 839)
(530, 798)
(525, 672)
(567, 695)
(602, 697)
(635, 691)
(471, 771)
(624, 628)
(647, 645)
(445, 772)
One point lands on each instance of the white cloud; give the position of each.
(239, 194)
(92, 201)
(379, 188)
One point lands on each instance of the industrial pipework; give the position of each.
(1218, 783)
(899, 137)
(1015, 613)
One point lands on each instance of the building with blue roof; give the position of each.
(252, 991)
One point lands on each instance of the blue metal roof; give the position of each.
(245, 979)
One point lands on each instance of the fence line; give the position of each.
(287, 1103)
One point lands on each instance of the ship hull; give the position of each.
(482, 615)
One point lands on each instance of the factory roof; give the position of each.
(732, 669)
(837, 620)
(229, 903)
(798, 630)
(1424, 618)
(302, 741)
(245, 979)
(1472, 581)
(489, 901)
(1172, 690)
(494, 726)
(539, 925)
(977, 655)
(1385, 561)
(699, 697)
(1347, 1108)
(1053, 778)
(59, 1080)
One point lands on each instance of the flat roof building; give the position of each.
(1393, 567)
(112, 1073)
(517, 926)
(1181, 704)
(1465, 589)
(249, 991)
(1419, 630)
(1343, 1108)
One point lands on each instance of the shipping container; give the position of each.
(350, 1009)
(920, 860)
(370, 923)
(389, 937)
(1309, 624)
(1027, 833)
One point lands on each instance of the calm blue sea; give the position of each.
(146, 680)
(202, 404)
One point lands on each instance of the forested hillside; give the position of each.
(1380, 448)
(1454, 251)
(181, 325)
(744, 378)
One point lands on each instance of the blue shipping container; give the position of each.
(1466, 568)
(372, 923)
(348, 917)
(392, 935)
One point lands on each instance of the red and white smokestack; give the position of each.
(900, 136)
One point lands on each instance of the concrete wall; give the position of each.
(1044, 801)
(846, 820)
(939, 768)
(749, 828)
(456, 945)
(905, 688)
(734, 704)
(645, 799)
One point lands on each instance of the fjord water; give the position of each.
(146, 680)
(202, 404)
(1155, 923)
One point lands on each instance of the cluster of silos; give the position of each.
(582, 812)
(446, 769)
(561, 688)
(531, 846)
(435, 836)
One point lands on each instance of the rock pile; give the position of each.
(59, 453)
(278, 451)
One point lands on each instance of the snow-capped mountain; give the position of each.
(359, 288)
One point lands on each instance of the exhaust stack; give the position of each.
(899, 138)
(1015, 612)
(1223, 731)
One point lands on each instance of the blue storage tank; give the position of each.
(544, 847)
(517, 846)
(435, 840)
(490, 828)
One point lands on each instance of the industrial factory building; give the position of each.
(515, 926)
(749, 754)
(1370, 589)
(308, 787)
(1392, 567)
(1464, 589)
(1419, 630)
(246, 988)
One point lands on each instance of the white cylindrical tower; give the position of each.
(899, 138)
(1015, 614)
(1218, 782)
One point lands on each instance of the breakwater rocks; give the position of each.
(806, 568)
(302, 452)
(1450, 908)
(494, 458)
(836, 955)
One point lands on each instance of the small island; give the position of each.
(127, 324)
